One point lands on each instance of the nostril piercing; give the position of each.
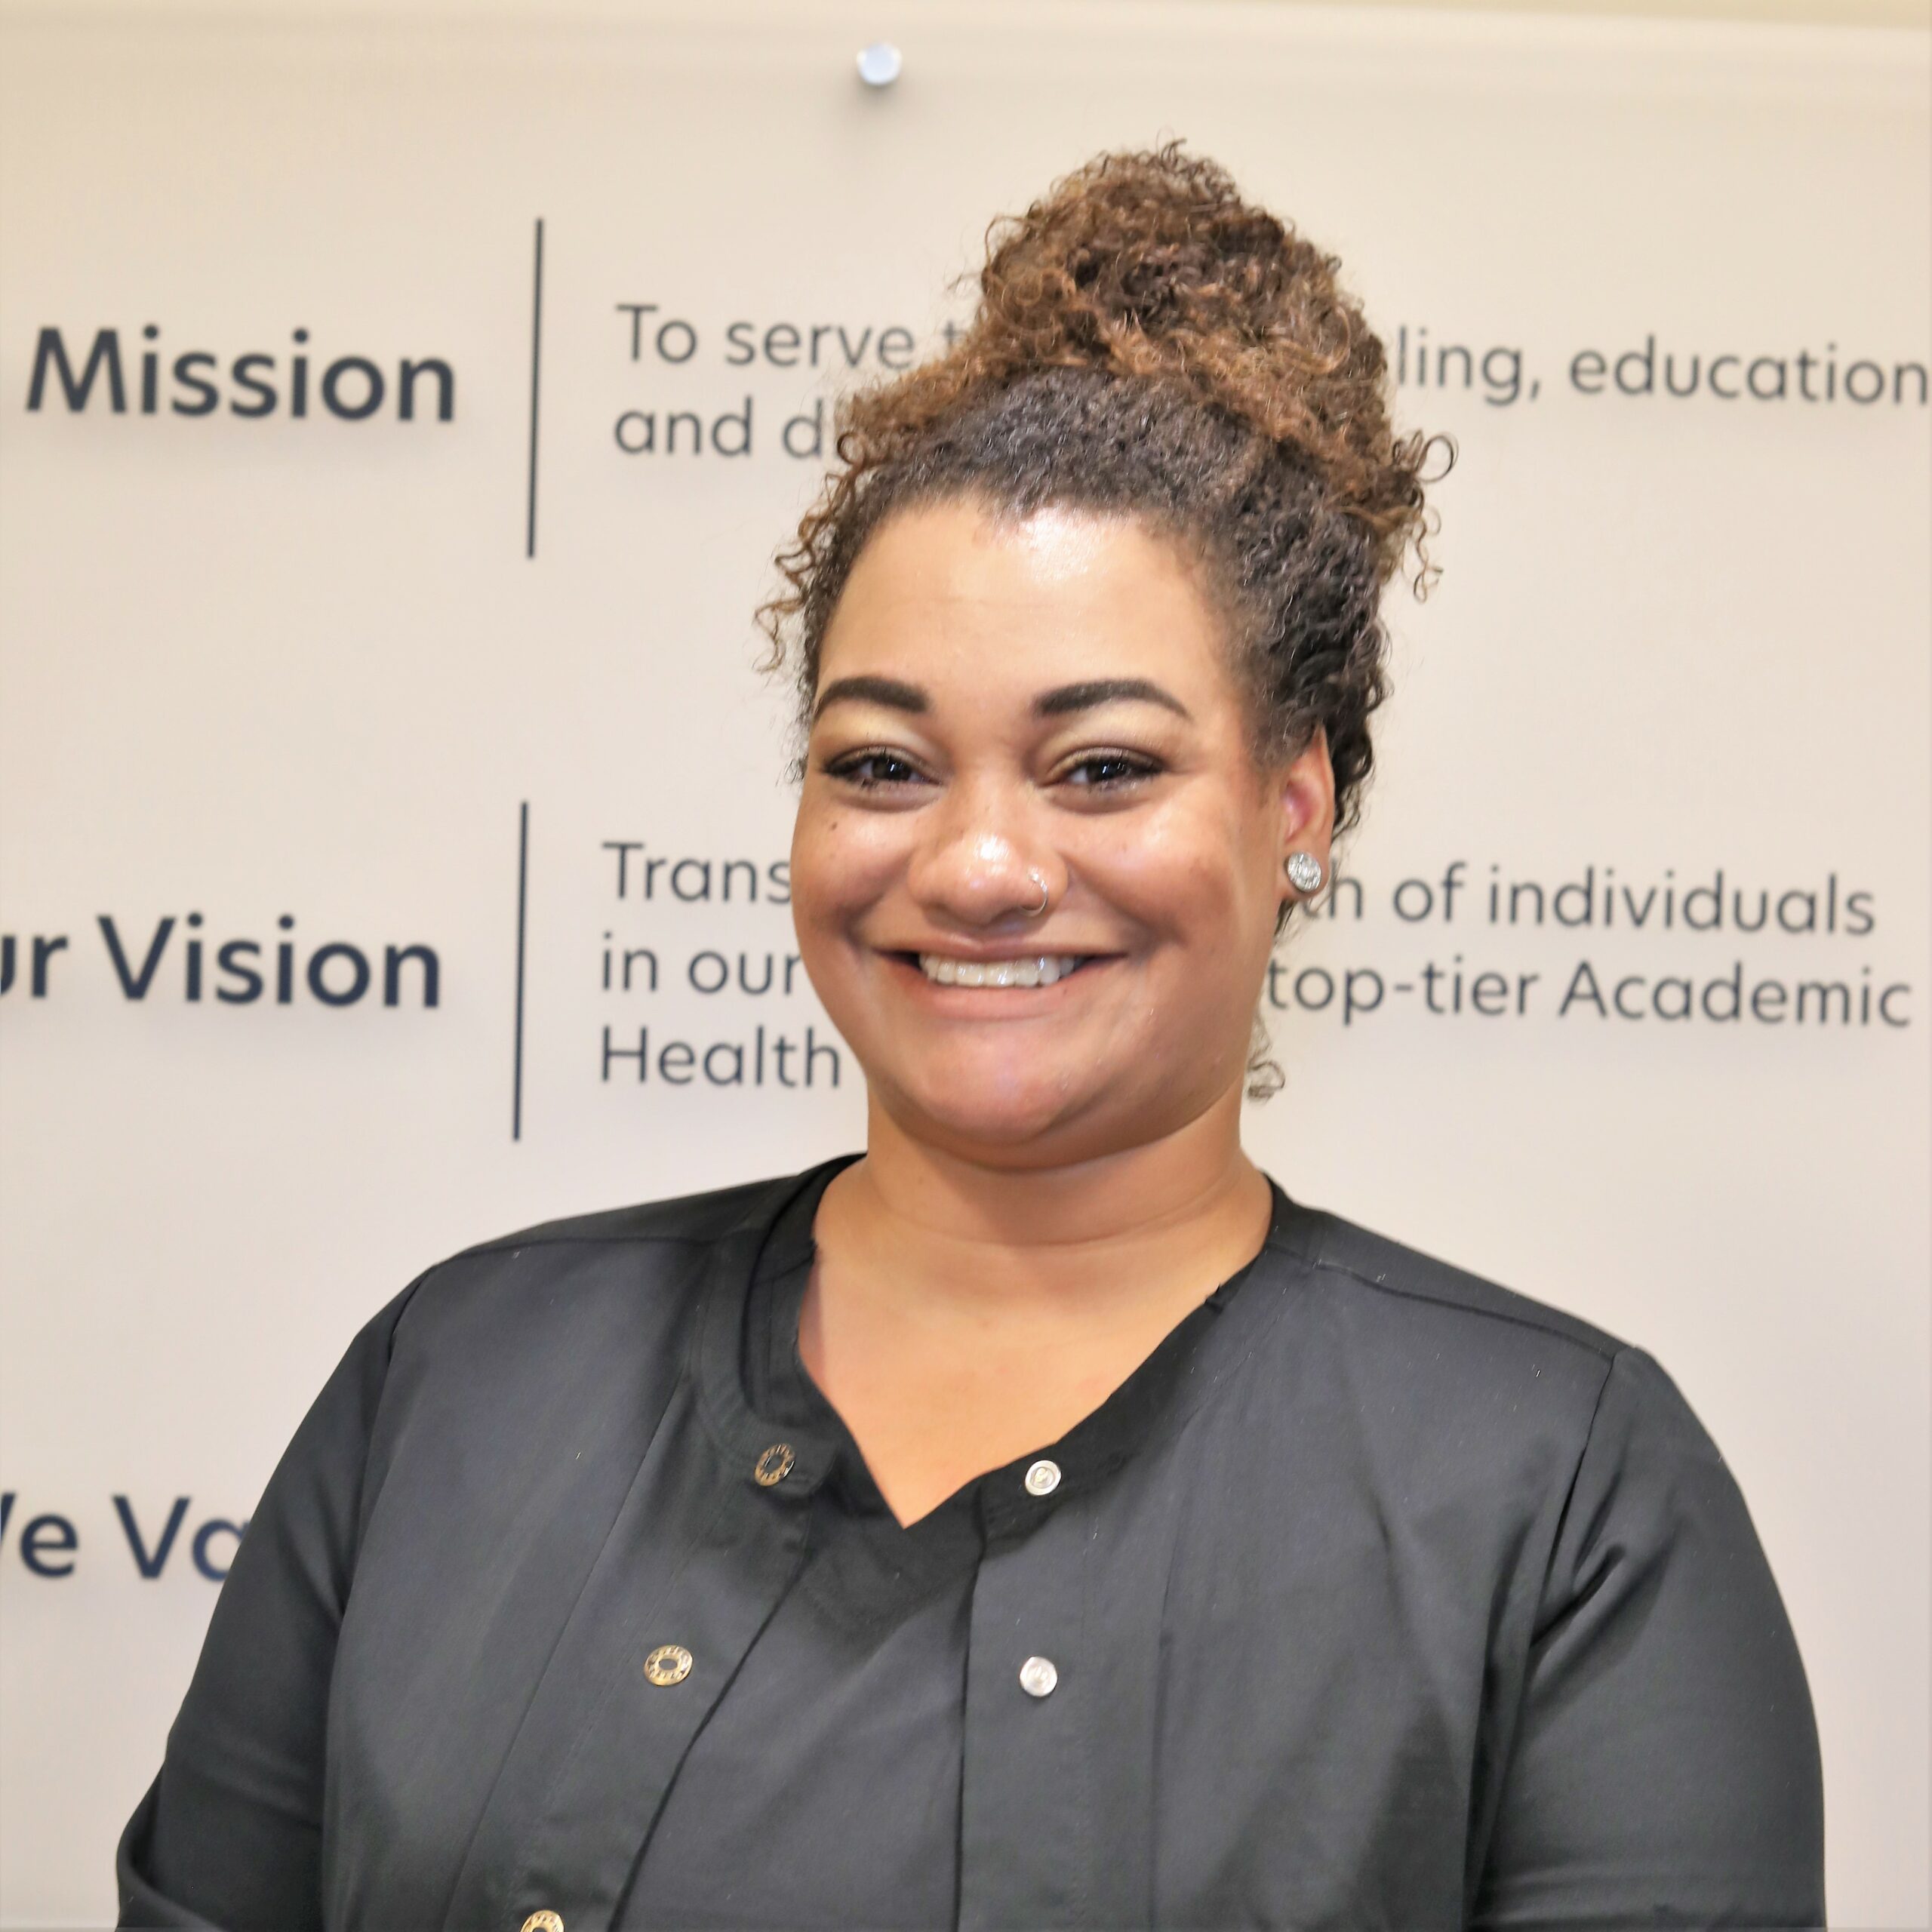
(1035, 911)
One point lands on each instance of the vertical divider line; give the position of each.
(522, 922)
(535, 369)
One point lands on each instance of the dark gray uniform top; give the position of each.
(1377, 1597)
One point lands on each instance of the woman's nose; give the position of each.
(979, 863)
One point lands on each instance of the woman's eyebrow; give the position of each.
(891, 692)
(896, 695)
(1056, 703)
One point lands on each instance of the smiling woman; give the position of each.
(1039, 1518)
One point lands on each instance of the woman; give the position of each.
(1040, 1520)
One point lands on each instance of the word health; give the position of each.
(770, 1058)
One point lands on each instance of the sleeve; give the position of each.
(1665, 1770)
(228, 1835)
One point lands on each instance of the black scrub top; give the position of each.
(1377, 1596)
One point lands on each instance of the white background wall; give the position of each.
(255, 668)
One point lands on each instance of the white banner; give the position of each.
(399, 419)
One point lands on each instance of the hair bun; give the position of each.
(1151, 265)
(1141, 256)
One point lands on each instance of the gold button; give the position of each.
(669, 1663)
(544, 1922)
(774, 1466)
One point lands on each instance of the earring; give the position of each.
(1304, 871)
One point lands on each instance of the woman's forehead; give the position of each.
(956, 594)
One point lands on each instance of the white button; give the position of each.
(1043, 1479)
(1038, 1677)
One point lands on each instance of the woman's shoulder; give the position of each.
(701, 1218)
(1454, 1378)
(629, 1266)
(1437, 1342)
(1404, 1285)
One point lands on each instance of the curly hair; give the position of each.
(1148, 344)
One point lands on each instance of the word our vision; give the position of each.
(143, 959)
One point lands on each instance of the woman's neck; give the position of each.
(1165, 1219)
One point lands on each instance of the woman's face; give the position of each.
(1002, 702)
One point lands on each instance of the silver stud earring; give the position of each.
(1304, 871)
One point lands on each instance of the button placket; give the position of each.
(587, 1783)
(1025, 1833)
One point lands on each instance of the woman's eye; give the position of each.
(869, 770)
(1103, 771)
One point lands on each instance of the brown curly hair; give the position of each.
(1148, 344)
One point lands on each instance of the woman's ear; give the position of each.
(1304, 790)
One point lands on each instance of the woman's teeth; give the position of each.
(1040, 972)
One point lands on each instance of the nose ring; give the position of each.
(1035, 911)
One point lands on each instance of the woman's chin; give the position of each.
(1002, 1121)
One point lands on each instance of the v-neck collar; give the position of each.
(755, 1384)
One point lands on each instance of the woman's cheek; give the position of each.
(1172, 881)
(810, 895)
(834, 886)
(817, 873)
(847, 856)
